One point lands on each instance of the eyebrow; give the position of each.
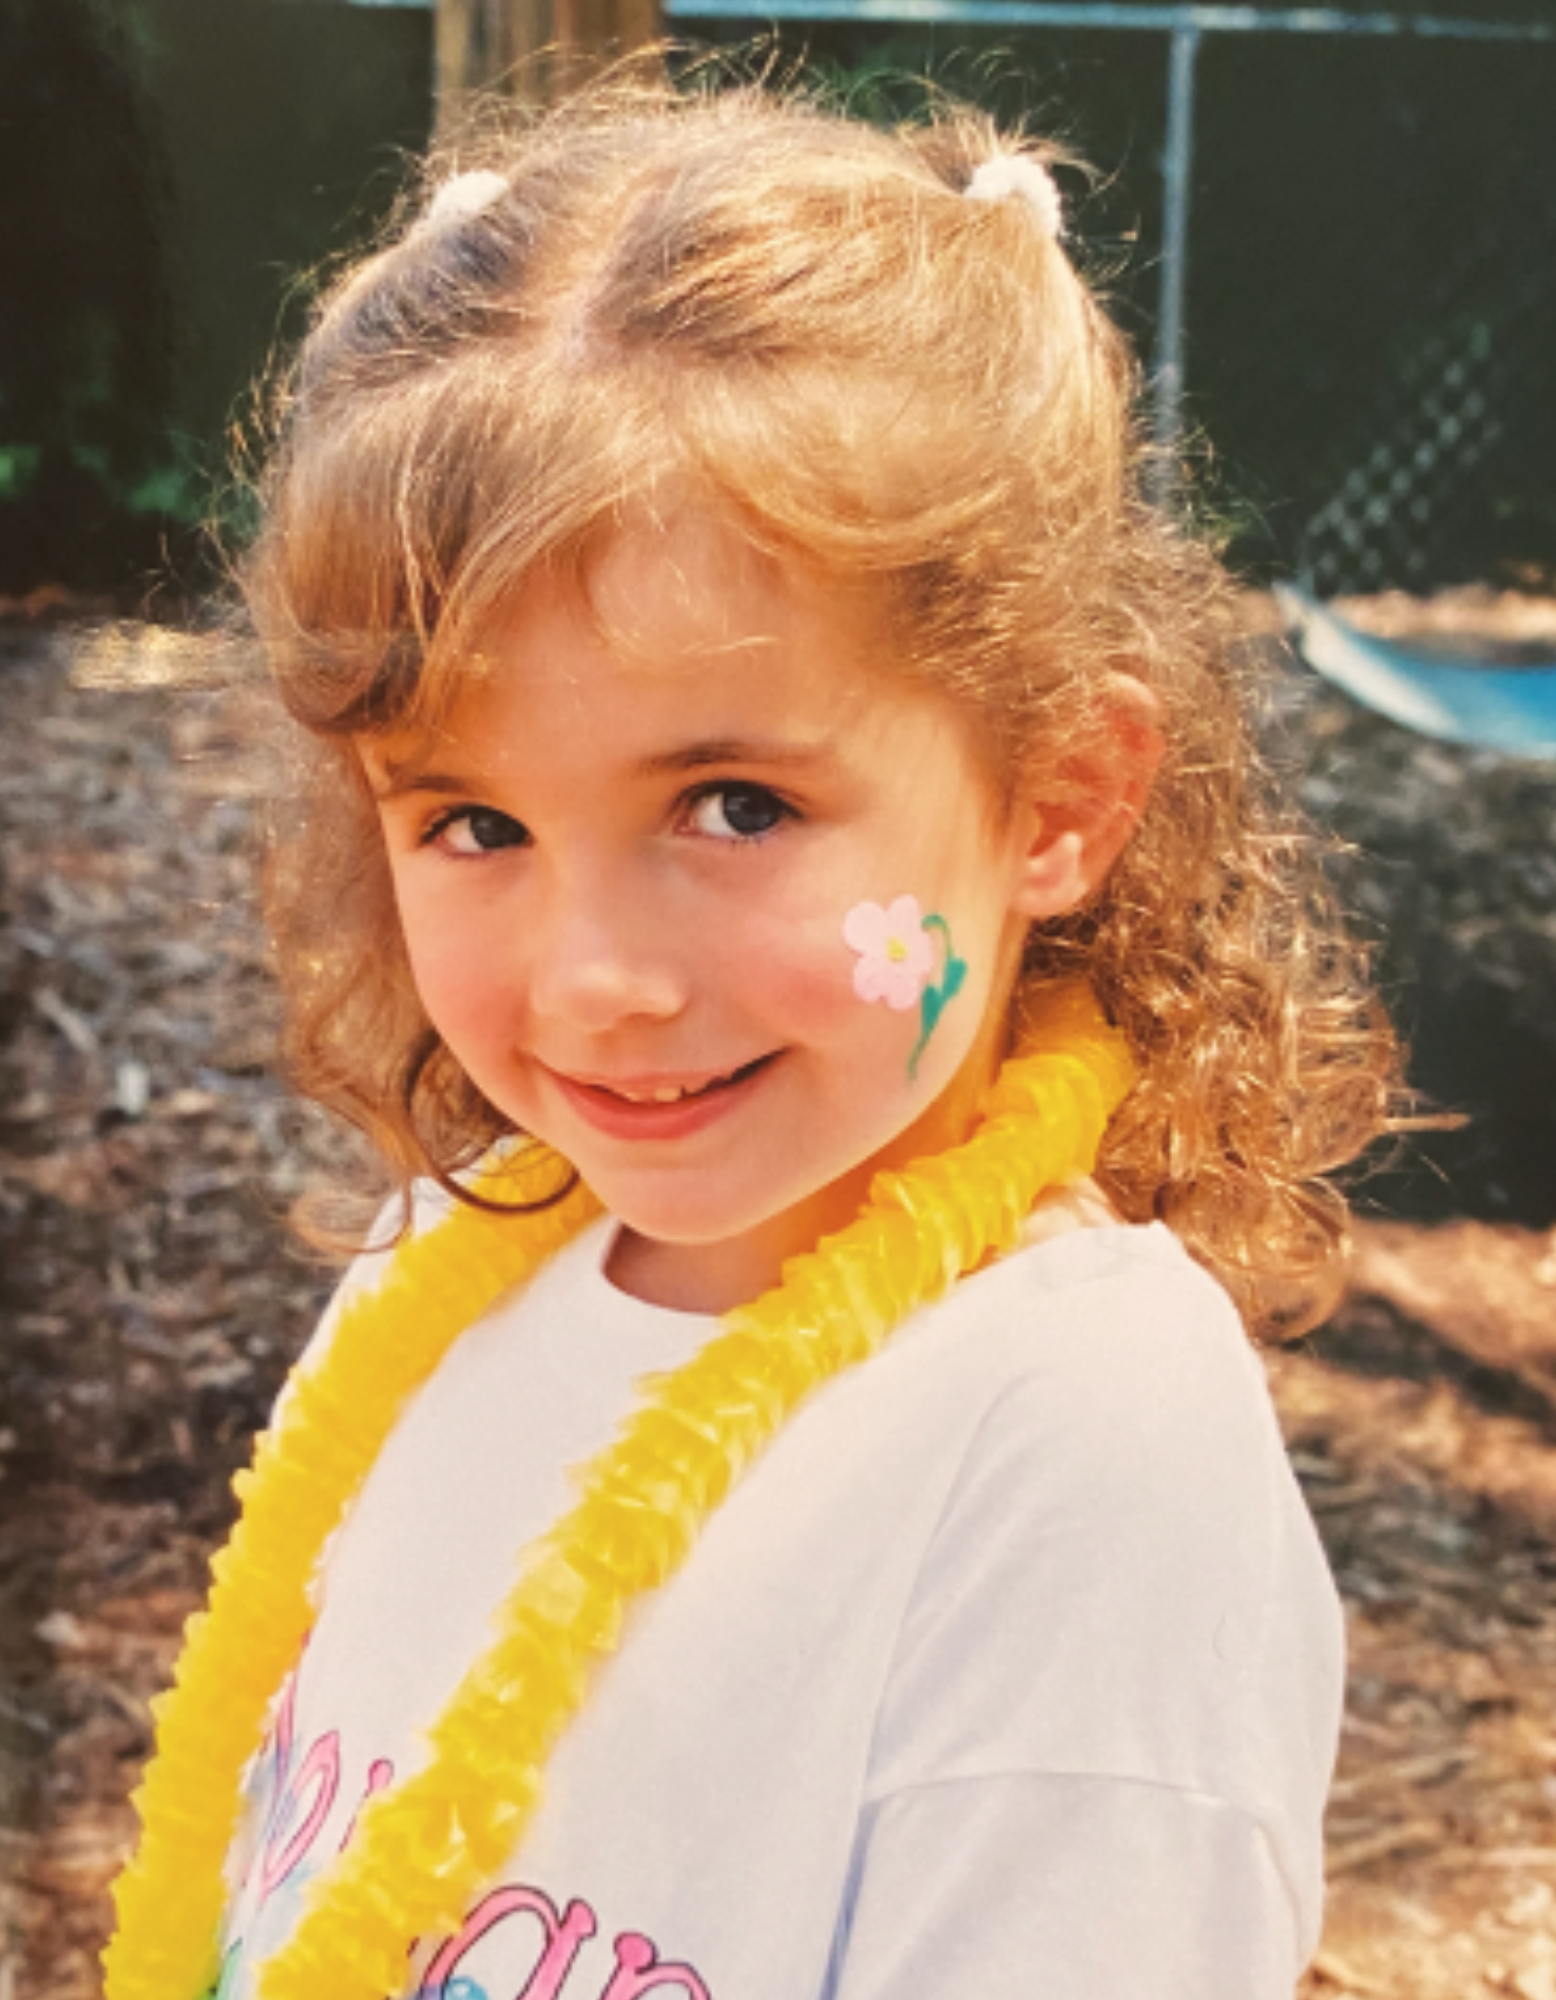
(734, 750)
(409, 776)
(399, 779)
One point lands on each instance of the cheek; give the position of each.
(455, 970)
(796, 972)
(798, 979)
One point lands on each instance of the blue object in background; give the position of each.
(1511, 709)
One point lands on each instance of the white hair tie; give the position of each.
(465, 195)
(1028, 180)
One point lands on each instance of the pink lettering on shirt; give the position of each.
(562, 1938)
(638, 1970)
(295, 1829)
(277, 1755)
(380, 1776)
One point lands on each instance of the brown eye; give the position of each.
(477, 830)
(737, 812)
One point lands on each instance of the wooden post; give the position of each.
(529, 48)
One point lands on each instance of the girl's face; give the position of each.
(651, 876)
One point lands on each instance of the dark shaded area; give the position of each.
(1452, 870)
(1474, 1049)
(1374, 268)
(288, 128)
(1374, 1338)
(86, 336)
(174, 171)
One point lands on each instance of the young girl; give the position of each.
(781, 868)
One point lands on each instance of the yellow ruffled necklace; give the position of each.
(424, 1848)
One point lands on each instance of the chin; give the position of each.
(683, 1225)
(704, 1210)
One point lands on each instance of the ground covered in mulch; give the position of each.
(152, 1298)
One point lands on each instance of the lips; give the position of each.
(663, 1106)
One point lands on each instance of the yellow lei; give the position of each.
(425, 1847)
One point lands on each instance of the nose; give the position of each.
(603, 957)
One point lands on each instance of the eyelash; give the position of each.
(723, 788)
(454, 816)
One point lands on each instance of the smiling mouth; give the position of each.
(676, 1093)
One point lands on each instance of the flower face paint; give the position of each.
(896, 955)
(896, 947)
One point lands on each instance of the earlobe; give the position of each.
(1083, 813)
(1054, 876)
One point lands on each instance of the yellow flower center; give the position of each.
(896, 950)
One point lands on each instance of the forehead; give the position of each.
(677, 632)
(676, 605)
(679, 582)
(678, 587)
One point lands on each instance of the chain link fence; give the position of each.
(1462, 440)
(1371, 306)
(1369, 287)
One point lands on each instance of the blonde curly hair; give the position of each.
(870, 374)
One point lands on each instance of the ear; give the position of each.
(1081, 812)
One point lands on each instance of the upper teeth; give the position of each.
(668, 1093)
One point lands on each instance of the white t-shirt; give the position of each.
(1012, 1671)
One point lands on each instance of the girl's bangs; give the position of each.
(400, 537)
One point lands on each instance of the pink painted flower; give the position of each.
(896, 954)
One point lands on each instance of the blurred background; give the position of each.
(1368, 274)
(1332, 236)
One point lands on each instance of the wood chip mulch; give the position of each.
(152, 1299)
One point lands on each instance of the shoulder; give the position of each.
(1129, 1414)
(1099, 1372)
(1123, 1578)
(1114, 1334)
